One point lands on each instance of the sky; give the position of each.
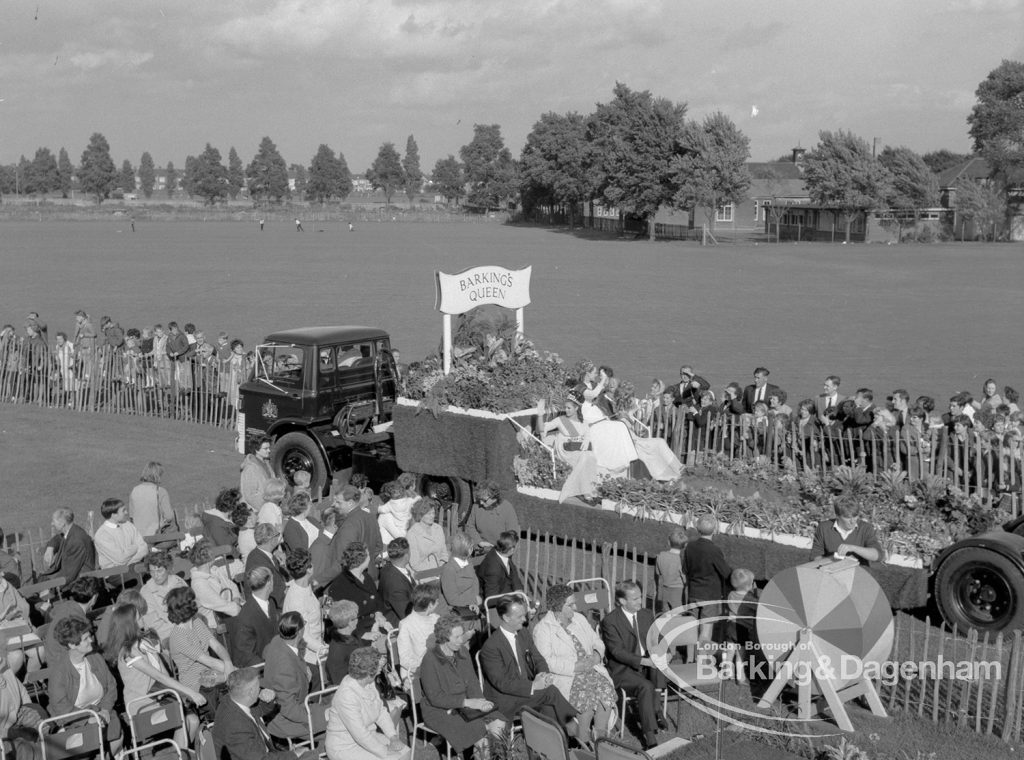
(168, 76)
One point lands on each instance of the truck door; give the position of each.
(355, 376)
(281, 369)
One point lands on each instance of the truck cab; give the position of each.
(319, 392)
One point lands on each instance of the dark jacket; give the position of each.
(494, 579)
(366, 596)
(707, 571)
(258, 558)
(74, 554)
(621, 648)
(396, 590)
(508, 680)
(64, 682)
(236, 737)
(250, 631)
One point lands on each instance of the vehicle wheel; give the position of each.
(297, 451)
(447, 490)
(978, 588)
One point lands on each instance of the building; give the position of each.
(978, 170)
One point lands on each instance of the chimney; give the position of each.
(798, 155)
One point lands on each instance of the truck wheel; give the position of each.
(978, 588)
(296, 451)
(447, 490)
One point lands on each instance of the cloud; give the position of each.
(90, 60)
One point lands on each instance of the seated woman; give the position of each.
(244, 518)
(135, 652)
(359, 726)
(81, 680)
(491, 515)
(343, 616)
(19, 717)
(274, 492)
(300, 530)
(460, 586)
(155, 590)
(565, 433)
(289, 677)
(575, 655)
(300, 598)
(650, 402)
(215, 592)
(199, 658)
(416, 628)
(450, 698)
(355, 584)
(427, 547)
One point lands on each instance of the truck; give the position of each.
(328, 397)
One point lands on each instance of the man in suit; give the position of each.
(624, 632)
(288, 676)
(239, 732)
(828, 400)
(759, 391)
(71, 552)
(864, 410)
(687, 392)
(256, 624)
(498, 573)
(901, 408)
(320, 550)
(268, 539)
(515, 673)
(396, 579)
(357, 524)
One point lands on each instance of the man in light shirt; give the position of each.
(118, 542)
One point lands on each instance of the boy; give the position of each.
(669, 572)
(707, 573)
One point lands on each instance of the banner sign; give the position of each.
(477, 286)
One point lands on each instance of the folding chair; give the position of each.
(154, 749)
(63, 741)
(392, 648)
(429, 576)
(595, 595)
(491, 612)
(480, 678)
(318, 697)
(545, 739)
(36, 684)
(160, 712)
(418, 725)
(53, 584)
(159, 540)
(123, 573)
(610, 749)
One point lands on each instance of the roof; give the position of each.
(327, 334)
(777, 169)
(975, 168)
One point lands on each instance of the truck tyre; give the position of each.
(447, 490)
(979, 588)
(297, 451)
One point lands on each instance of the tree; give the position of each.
(712, 173)
(8, 179)
(171, 178)
(914, 187)
(267, 173)
(997, 121)
(842, 174)
(635, 140)
(489, 168)
(236, 174)
(940, 160)
(188, 176)
(126, 178)
(448, 178)
(386, 173)
(411, 167)
(210, 176)
(41, 175)
(97, 174)
(983, 204)
(298, 172)
(147, 174)
(555, 163)
(67, 172)
(328, 176)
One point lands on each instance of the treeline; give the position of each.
(637, 153)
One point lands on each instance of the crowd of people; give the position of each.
(147, 368)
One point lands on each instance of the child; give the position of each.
(193, 530)
(669, 572)
(707, 573)
(301, 479)
(394, 515)
(742, 604)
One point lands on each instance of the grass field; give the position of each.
(933, 319)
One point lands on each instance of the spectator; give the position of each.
(80, 598)
(113, 335)
(451, 699)
(777, 405)
(256, 624)
(687, 392)
(324, 569)
(117, 541)
(427, 548)
(19, 717)
(80, 679)
(575, 655)
(344, 617)
(128, 597)
(256, 472)
(847, 534)
(244, 519)
(624, 632)
(990, 398)
(355, 584)
(396, 579)
(161, 582)
(491, 515)
(668, 569)
(393, 515)
(707, 574)
(460, 585)
(300, 598)
(216, 593)
(149, 506)
(217, 520)
(357, 525)
(267, 554)
(864, 410)
(1012, 399)
(288, 676)
(71, 552)
(498, 573)
(300, 531)
(180, 352)
(274, 493)
(200, 660)
(415, 629)
(357, 712)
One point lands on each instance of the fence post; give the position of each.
(1010, 716)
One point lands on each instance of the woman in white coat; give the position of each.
(575, 653)
(357, 712)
